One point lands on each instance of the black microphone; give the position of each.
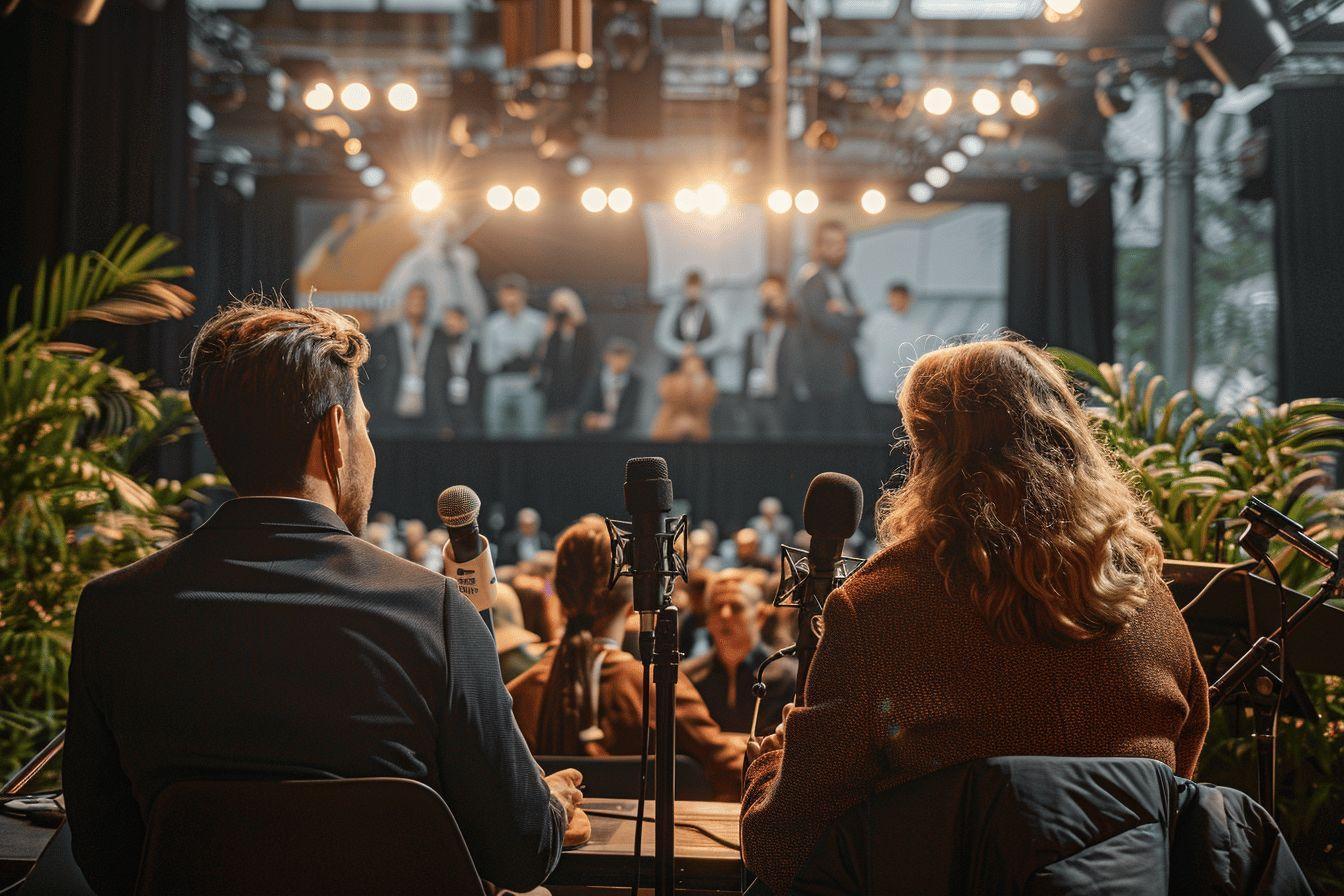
(648, 496)
(1266, 523)
(831, 514)
(459, 508)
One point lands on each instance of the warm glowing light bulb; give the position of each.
(686, 200)
(937, 177)
(713, 198)
(1024, 102)
(319, 96)
(426, 195)
(986, 101)
(402, 96)
(1064, 7)
(355, 96)
(499, 197)
(353, 146)
(594, 199)
(779, 201)
(872, 201)
(526, 199)
(937, 100)
(806, 201)
(620, 200)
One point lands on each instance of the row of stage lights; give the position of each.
(939, 100)
(356, 96)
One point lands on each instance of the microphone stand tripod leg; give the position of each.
(666, 661)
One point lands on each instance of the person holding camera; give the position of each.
(568, 356)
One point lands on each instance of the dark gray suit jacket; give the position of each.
(272, 643)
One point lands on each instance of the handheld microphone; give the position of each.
(459, 508)
(831, 514)
(1266, 523)
(648, 496)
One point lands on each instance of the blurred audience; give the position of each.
(772, 525)
(689, 326)
(456, 385)
(567, 360)
(515, 645)
(510, 354)
(609, 402)
(688, 395)
(748, 553)
(526, 540)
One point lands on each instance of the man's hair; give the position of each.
(831, 224)
(618, 345)
(899, 286)
(694, 277)
(511, 281)
(261, 376)
(775, 278)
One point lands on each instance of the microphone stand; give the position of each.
(666, 670)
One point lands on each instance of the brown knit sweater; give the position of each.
(907, 680)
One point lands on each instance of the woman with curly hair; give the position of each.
(1016, 608)
(584, 697)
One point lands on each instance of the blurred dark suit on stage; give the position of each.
(273, 643)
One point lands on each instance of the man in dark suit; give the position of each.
(273, 642)
(400, 389)
(454, 384)
(830, 318)
(609, 403)
(767, 364)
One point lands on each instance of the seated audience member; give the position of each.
(554, 701)
(773, 526)
(517, 647)
(539, 607)
(688, 395)
(609, 403)
(1017, 607)
(724, 676)
(457, 385)
(693, 636)
(748, 553)
(568, 356)
(526, 540)
(273, 642)
(700, 550)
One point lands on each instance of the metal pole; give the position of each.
(1176, 318)
(778, 232)
(666, 657)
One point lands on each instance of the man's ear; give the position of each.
(332, 436)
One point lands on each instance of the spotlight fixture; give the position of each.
(686, 200)
(372, 176)
(779, 201)
(526, 199)
(426, 195)
(355, 96)
(713, 198)
(1024, 102)
(806, 201)
(937, 100)
(873, 201)
(921, 192)
(620, 200)
(402, 96)
(594, 199)
(320, 96)
(499, 197)
(937, 177)
(972, 145)
(986, 101)
(354, 146)
(955, 161)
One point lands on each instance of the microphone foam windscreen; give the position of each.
(833, 506)
(647, 485)
(459, 506)
(637, 468)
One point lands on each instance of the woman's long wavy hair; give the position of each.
(582, 564)
(1009, 483)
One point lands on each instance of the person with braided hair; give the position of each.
(583, 698)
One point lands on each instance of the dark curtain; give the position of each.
(1061, 269)
(1306, 149)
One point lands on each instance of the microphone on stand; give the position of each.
(1266, 523)
(466, 555)
(648, 496)
(831, 514)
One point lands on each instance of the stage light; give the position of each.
(937, 100)
(426, 195)
(686, 200)
(584, 60)
(937, 177)
(320, 96)
(1063, 7)
(355, 96)
(372, 176)
(526, 199)
(594, 199)
(955, 161)
(1024, 102)
(972, 144)
(806, 201)
(986, 101)
(873, 201)
(358, 162)
(779, 201)
(713, 198)
(620, 200)
(921, 192)
(499, 197)
(353, 146)
(402, 96)
(579, 165)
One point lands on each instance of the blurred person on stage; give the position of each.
(457, 385)
(568, 358)
(688, 396)
(829, 321)
(274, 642)
(689, 326)
(526, 540)
(724, 676)
(1016, 608)
(510, 356)
(398, 368)
(610, 401)
(769, 356)
(889, 341)
(558, 708)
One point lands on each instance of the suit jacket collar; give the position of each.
(276, 513)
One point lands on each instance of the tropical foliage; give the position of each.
(1198, 467)
(77, 433)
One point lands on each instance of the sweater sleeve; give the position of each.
(1191, 739)
(829, 761)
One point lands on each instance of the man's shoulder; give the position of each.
(140, 574)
